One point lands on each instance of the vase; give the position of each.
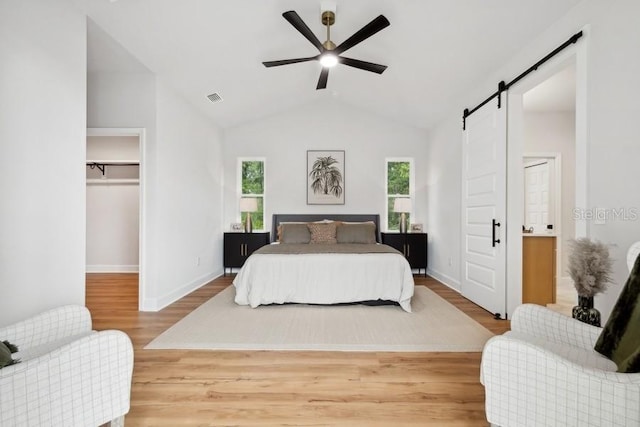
(585, 312)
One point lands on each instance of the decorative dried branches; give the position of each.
(590, 266)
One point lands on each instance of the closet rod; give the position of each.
(502, 86)
(101, 166)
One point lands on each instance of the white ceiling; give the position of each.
(436, 50)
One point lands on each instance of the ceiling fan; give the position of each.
(330, 53)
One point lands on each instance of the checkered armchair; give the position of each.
(69, 375)
(545, 372)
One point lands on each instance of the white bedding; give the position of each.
(324, 279)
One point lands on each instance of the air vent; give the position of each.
(215, 97)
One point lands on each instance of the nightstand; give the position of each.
(412, 245)
(238, 247)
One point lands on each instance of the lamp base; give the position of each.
(403, 222)
(248, 226)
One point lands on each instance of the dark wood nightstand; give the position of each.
(238, 247)
(412, 245)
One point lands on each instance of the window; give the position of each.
(399, 174)
(252, 185)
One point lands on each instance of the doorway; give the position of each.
(550, 126)
(115, 205)
(574, 166)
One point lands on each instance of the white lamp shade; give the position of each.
(402, 204)
(248, 204)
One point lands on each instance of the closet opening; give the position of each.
(114, 207)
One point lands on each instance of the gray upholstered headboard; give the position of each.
(278, 218)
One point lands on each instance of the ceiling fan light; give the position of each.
(328, 60)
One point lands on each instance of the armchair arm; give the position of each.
(538, 321)
(85, 382)
(527, 385)
(52, 325)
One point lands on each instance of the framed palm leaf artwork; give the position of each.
(325, 177)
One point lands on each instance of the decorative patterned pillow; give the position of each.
(322, 232)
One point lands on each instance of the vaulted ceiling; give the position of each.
(435, 50)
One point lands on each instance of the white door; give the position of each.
(536, 187)
(484, 207)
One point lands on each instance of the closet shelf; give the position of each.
(114, 181)
(115, 162)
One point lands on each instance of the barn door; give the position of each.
(484, 207)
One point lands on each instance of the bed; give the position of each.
(348, 266)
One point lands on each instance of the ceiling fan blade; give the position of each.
(364, 33)
(295, 20)
(288, 61)
(363, 65)
(322, 81)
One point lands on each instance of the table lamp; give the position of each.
(402, 205)
(248, 205)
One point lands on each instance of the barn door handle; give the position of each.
(493, 232)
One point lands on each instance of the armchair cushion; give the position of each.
(620, 337)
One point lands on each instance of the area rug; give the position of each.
(221, 324)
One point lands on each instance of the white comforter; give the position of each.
(324, 279)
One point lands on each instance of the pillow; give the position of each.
(294, 233)
(620, 337)
(364, 232)
(279, 229)
(6, 349)
(322, 232)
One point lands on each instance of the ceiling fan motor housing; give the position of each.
(328, 17)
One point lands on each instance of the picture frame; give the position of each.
(236, 227)
(416, 228)
(325, 177)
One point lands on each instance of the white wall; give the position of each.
(555, 132)
(444, 203)
(112, 227)
(613, 151)
(188, 200)
(118, 147)
(42, 146)
(182, 164)
(326, 125)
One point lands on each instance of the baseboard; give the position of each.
(98, 268)
(157, 304)
(445, 279)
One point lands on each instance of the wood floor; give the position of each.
(292, 388)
